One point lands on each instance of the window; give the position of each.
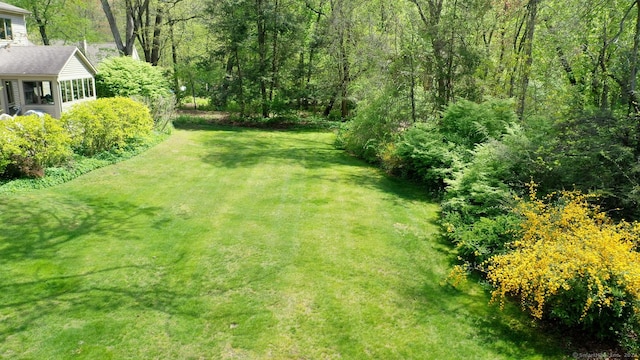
(78, 92)
(5, 29)
(77, 89)
(65, 90)
(88, 87)
(10, 98)
(37, 92)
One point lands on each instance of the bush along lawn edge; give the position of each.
(78, 166)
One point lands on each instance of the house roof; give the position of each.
(4, 7)
(37, 60)
(96, 53)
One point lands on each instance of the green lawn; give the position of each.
(223, 243)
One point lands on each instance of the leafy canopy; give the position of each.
(124, 76)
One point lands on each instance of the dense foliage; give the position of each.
(104, 124)
(570, 262)
(124, 76)
(478, 158)
(30, 143)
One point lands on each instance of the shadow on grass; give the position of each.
(506, 331)
(41, 271)
(234, 147)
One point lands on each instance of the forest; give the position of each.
(521, 117)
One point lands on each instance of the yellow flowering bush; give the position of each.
(572, 263)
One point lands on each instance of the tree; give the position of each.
(126, 47)
(66, 20)
(145, 21)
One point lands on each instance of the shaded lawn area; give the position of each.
(222, 243)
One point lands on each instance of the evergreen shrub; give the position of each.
(467, 123)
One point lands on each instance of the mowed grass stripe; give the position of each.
(226, 243)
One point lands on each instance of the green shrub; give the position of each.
(437, 153)
(374, 126)
(30, 143)
(485, 185)
(605, 144)
(427, 156)
(163, 111)
(106, 124)
(467, 123)
(476, 242)
(76, 167)
(198, 103)
(124, 76)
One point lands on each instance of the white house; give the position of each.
(49, 79)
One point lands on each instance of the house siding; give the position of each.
(75, 69)
(16, 92)
(4, 105)
(30, 63)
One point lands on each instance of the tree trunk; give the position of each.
(157, 27)
(114, 26)
(633, 96)
(345, 81)
(532, 12)
(228, 75)
(262, 54)
(274, 53)
(174, 57)
(131, 29)
(412, 92)
(329, 107)
(42, 27)
(439, 46)
(240, 83)
(300, 78)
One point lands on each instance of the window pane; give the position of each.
(68, 95)
(75, 90)
(37, 92)
(63, 91)
(46, 93)
(30, 92)
(91, 87)
(88, 87)
(7, 26)
(10, 98)
(3, 32)
(69, 90)
(78, 89)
